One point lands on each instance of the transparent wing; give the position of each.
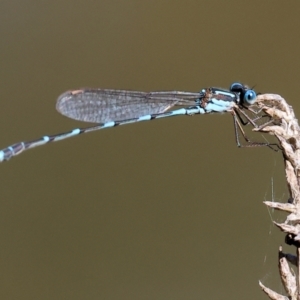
(103, 105)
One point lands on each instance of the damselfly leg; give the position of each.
(239, 122)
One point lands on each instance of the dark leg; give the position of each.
(238, 127)
(251, 120)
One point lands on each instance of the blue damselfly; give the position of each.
(111, 108)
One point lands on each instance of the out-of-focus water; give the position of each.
(169, 209)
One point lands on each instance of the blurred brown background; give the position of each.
(169, 209)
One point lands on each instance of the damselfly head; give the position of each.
(247, 95)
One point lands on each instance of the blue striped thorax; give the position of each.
(238, 94)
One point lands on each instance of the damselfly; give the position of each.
(111, 108)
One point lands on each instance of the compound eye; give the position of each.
(249, 97)
(237, 87)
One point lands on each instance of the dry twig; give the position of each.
(286, 129)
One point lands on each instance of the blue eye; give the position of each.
(249, 97)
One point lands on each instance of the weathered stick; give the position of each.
(286, 129)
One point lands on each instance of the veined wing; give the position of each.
(104, 105)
